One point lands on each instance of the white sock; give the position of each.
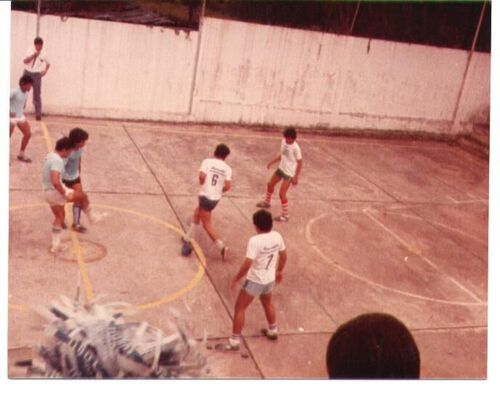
(56, 237)
(220, 244)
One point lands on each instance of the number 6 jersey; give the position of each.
(217, 171)
(264, 249)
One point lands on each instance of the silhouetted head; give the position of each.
(373, 346)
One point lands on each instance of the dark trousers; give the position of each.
(37, 91)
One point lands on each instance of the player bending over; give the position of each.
(263, 265)
(215, 178)
(72, 169)
(290, 158)
(56, 194)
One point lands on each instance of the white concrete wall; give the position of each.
(252, 74)
(108, 69)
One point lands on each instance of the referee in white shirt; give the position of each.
(36, 66)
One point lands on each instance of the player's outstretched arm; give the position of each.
(275, 160)
(227, 186)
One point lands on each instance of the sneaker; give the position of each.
(79, 228)
(23, 159)
(270, 335)
(281, 218)
(231, 345)
(38, 117)
(263, 205)
(224, 252)
(59, 248)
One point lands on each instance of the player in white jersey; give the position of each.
(290, 158)
(263, 266)
(215, 179)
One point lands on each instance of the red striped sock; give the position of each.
(267, 199)
(284, 207)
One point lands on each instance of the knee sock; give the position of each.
(267, 199)
(284, 208)
(76, 214)
(56, 236)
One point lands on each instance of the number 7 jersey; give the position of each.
(264, 250)
(217, 172)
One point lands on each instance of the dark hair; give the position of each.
(263, 220)
(63, 143)
(290, 132)
(77, 135)
(373, 345)
(25, 79)
(38, 40)
(222, 151)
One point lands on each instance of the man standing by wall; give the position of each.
(36, 66)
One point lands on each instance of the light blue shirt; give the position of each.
(53, 162)
(72, 166)
(17, 101)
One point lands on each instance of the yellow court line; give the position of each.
(77, 248)
(77, 251)
(16, 307)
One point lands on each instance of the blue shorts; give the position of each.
(207, 204)
(256, 289)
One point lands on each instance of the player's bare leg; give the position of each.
(272, 328)
(206, 221)
(58, 212)
(77, 210)
(284, 201)
(25, 129)
(243, 301)
(266, 203)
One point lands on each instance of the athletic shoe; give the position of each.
(269, 335)
(23, 159)
(224, 252)
(59, 248)
(79, 228)
(281, 218)
(263, 205)
(38, 117)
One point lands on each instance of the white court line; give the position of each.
(442, 226)
(427, 260)
(484, 201)
(338, 266)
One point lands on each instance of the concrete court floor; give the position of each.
(396, 226)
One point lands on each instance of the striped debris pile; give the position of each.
(94, 341)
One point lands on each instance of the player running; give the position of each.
(215, 179)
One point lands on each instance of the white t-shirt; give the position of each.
(40, 62)
(290, 154)
(264, 250)
(217, 172)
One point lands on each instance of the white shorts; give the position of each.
(54, 198)
(17, 120)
